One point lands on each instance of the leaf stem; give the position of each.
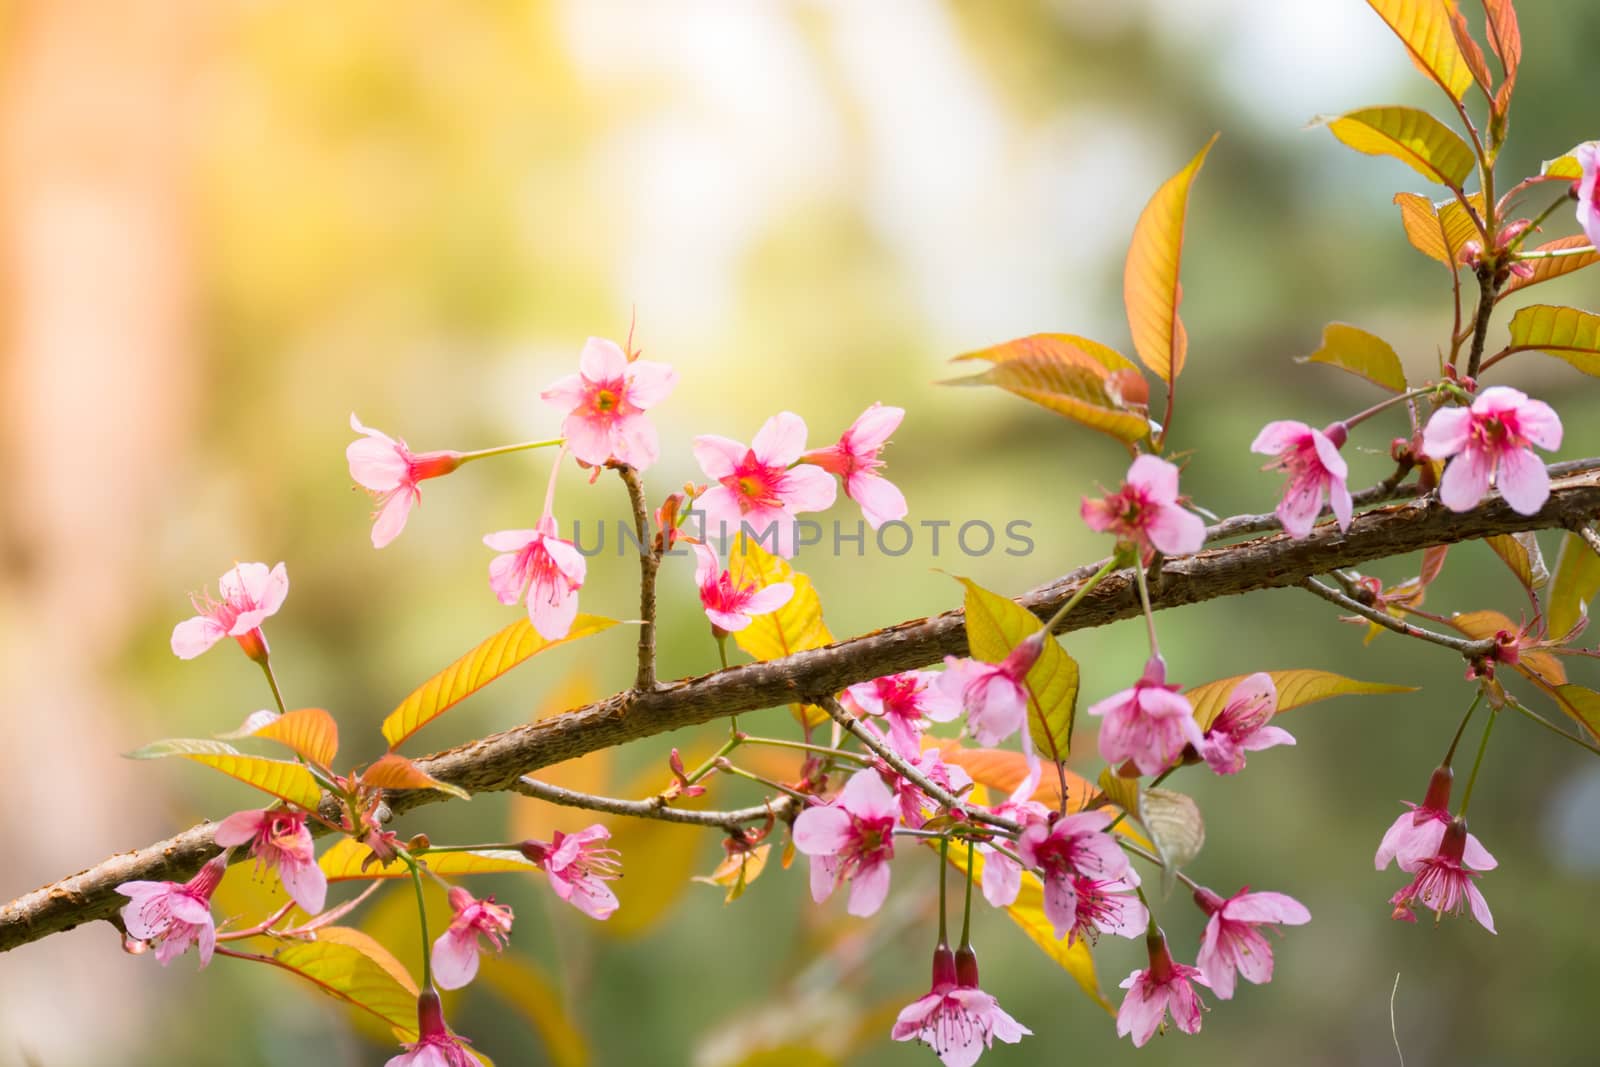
(1552, 727)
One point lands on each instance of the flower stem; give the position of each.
(277, 694)
(944, 865)
(1083, 590)
(734, 769)
(1367, 413)
(803, 746)
(422, 921)
(966, 908)
(1451, 753)
(1149, 615)
(1557, 253)
(485, 453)
(710, 765)
(1483, 746)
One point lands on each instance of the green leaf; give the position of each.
(1546, 269)
(488, 661)
(1414, 137)
(1563, 332)
(1423, 26)
(1175, 826)
(1072, 376)
(1295, 689)
(350, 966)
(282, 779)
(1360, 353)
(1576, 582)
(995, 626)
(1582, 704)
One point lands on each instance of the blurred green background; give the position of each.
(227, 225)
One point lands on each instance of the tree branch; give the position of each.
(731, 821)
(498, 761)
(1469, 649)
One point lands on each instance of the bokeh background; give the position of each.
(226, 225)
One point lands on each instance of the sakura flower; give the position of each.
(455, 953)
(957, 1019)
(1073, 847)
(171, 916)
(548, 569)
(605, 404)
(250, 593)
(851, 839)
(435, 1046)
(903, 700)
(730, 604)
(1145, 511)
(579, 868)
(757, 488)
(1587, 190)
(1315, 469)
(386, 468)
(1149, 724)
(280, 839)
(931, 765)
(1232, 944)
(993, 694)
(1493, 441)
(1107, 906)
(1163, 986)
(1002, 875)
(1417, 834)
(1242, 725)
(1444, 881)
(855, 459)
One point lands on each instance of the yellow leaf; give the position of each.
(1539, 667)
(310, 732)
(1423, 26)
(736, 871)
(1072, 376)
(394, 771)
(476, 669)
(1582, 704)
(284, 780)
(1521, 553)
(1414, 137)
(1554, 267)
(995, 626)
(1295, 689)
(1563, 168)
(525, 986)
(350, 966)
(1360, 353)
(795, 627)
(1563, 332)
(1150, 287)
(1576, 582)
(342, 863)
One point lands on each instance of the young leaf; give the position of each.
(1563, 168)
(1150, 287)
(1470, 52)
(1522, 554)
(1175, 826)
(476, 669)
(736, 871)
(1555, 267)
(995, 626)
(1536, 666)
(1123, 792)
(1582, 704)
(394, 771)
(350, 966)
(284, 780)
(1414, 137)
(342, 863)
(1072, 376)
(1360, 353)
(309, 732)
(795, 627)
(1295, 689)
(1563, 332)
(1576, 582)
(1423, 26)
(1505, 38)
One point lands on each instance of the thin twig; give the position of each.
(1470, 649)
(731, 821)
(1552, 727)
(649, 565)
(1487, 291)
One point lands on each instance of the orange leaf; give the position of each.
(1505, 37)
(1072, 376)
(1540, 667)
(394, 771)
(1555, 266)
(1470, 52)
(310, 732)
(1150, 286)
(1423, 26)
(1414, 137)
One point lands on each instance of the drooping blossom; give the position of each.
(250, 593)
(730, 605)
(1316, 471)
(957, 1019)
(455, 953)
(1244, 725)
(435, 1046)
(1417, 833)
(390, 471)
(279, 839)
(855, 459)
(1072, 847)
(171, 916)
(1444, 881)
(1587, 190)
(1493, 440)
(1149, 724)
(1146, 512)
(1107, 906)
(1002, 875)
(993, 694)
(931, 765)
(1165, 985)
(851, 839)
(549, 570)
(579, 867)
(903, 701)
(605, 404)
(759, 488)
(1231, 943)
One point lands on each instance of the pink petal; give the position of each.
(510, 540)
(706, 565)
(455, 958)
(551, 609)
(1328, 455)
(1214, 963)
(780, 440)
(1343, 506)
(731, 621)
(1267, 737)
(193, 636)
(1156, 477)
(1480, 908)
(649, 383)
(866, 797)
(720, 511)
(566, 393)
(376, 463)
(1185, 1005)
(823, 830)
(1002, 880)
(567, 558)
(506, 578)
(1266, 908)
(1446, 433)
(808, 488)
(1140, 1016)
(306, 885)
(1280, 436)
(1060, 903)
(718, 456)
(1300, 506)
(1476, 856)
(602, 360)
(593, 897)
(1523, 480)
(868, 888)
(769, 599)
(1538, 422)
(880, 499)
(392, 516)
(873, 426)
(637, 442)
(588, 438)
(1466, 480)
(238, 828)
(824, 877)
(1175, 531)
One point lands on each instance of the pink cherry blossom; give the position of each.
(386, 468)
(993, 694)
(280, 839)
(851, 839)
(579, 867)
(1243, 725)
(1493, 441)
(1074, 846)
(1587, 189)
(549, 570)
(435, 1046)
(1165, 985)
(250, 593)
(1315, 468)
(855, 459)
(605, 404)
(730, 605)
(1231, 943)
(1149, 724)
(1107, 906)
(1444, 881)
(903, 700)
(930, 763)
(455, 953)
(1146, 512)
(758, 488)
(1002, 875)
(171, 916)
(1417, 834)
(957, 1019)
